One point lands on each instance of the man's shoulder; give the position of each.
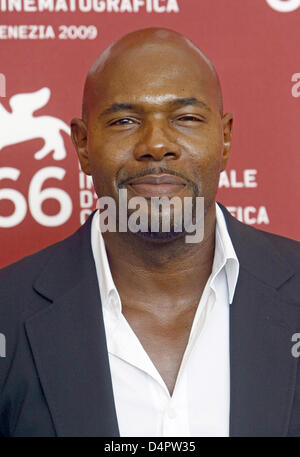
(281, 241)
(286, 247)
(32, 263)
(253, 242)
(17, 280)
(278, 241)
(17, 277)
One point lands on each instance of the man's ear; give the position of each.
(227, 121)
(79, 138)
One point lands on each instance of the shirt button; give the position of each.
(171, 413)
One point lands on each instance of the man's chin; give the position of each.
(160, 237)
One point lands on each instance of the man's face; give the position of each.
(155, 111)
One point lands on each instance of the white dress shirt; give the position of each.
(199, 405)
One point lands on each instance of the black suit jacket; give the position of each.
(55, 379)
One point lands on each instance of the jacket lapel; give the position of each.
(262, 322)
(68, 342)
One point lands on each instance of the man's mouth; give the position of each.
(159, 185)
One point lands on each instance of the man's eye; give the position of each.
(123, 121)
(189, 118)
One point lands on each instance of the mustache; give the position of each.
(123, 180)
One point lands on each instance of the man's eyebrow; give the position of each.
(117, 107)
(189, 101)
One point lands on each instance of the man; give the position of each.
(143, 334)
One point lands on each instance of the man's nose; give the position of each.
(157, 142)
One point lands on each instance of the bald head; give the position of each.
(155, 51)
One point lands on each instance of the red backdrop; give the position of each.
(50, 45)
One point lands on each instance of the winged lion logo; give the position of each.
(20, 125)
